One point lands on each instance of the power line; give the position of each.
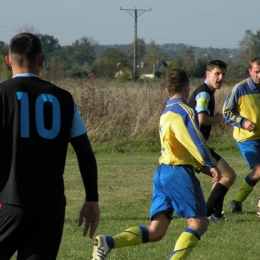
(135, 13)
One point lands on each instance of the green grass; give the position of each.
(125, 184)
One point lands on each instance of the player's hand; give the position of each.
(219, 117)
(250, 126)
(215, 174)
(89, 213)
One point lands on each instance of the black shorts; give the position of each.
(216, 156)
(33, 234)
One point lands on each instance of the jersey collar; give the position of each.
(25, 75)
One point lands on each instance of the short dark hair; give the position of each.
(254, 60)
(25, 48)
(176, 80)
(216, 64)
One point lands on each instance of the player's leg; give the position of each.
(188, 201)
(131, 236)
(191, 205)
(250, 151)
(43, 235)
(220, 189)
(11, 234)
(189, 238)
(161, 214)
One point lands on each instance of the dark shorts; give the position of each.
(34, 235)
(216, 156)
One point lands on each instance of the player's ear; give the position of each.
(7, 60)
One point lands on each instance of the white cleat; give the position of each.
(101, 249)
(212, 220)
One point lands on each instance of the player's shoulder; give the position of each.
(5, 83)
(242, 87)
(54, 88)
(203, 88)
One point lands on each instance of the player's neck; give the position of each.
(24, 70)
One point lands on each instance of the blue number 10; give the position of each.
(39, 115)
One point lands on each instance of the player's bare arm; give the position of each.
(205, 119)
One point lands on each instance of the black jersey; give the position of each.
(202, 99)
(35, 123)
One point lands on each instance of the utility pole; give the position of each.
(136, 12)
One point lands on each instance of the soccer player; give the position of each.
(242, 111)
(37, 122)
(202, 99)
(175, 185)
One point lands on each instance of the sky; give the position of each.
(200, 23)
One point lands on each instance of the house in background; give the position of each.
(145, 70)
(151, 71)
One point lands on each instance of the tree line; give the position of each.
(85, 56)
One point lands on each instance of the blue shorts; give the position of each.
(250, 150)
(176, 188)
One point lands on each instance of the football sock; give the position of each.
(184, 245)
(216, 199)
(245, 189)
(129, 237)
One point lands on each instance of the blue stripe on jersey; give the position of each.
(78, 127)
(181, 139)
(243, 103)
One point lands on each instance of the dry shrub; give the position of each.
(128, 112)
(115, 110)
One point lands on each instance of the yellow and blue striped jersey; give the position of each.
(182, 142)
(243, 103)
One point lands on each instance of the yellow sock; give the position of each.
(130, 237)
(243, 192)
(184, 245)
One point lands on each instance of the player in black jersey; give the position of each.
(37, 122)
(202, 99)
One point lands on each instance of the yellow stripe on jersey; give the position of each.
(243, 103)
(181, 140)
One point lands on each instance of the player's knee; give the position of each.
(154, 237)
(232, 176)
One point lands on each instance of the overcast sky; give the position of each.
(201, 23)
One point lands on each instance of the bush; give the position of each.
(124, 115)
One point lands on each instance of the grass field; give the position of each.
(125, 192)
(125, 182)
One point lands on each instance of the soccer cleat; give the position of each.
(258, 208)
(222, 217)
(101, 249)
(236, 207)
(212, 220)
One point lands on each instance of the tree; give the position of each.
(201, 66)
(49, 46)
(84, 50)
(78, 58)
(188, 60)
(152, 55)
(109, 62)
(249, 46)
(49, 43)
(141, 49)
(237, 71)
